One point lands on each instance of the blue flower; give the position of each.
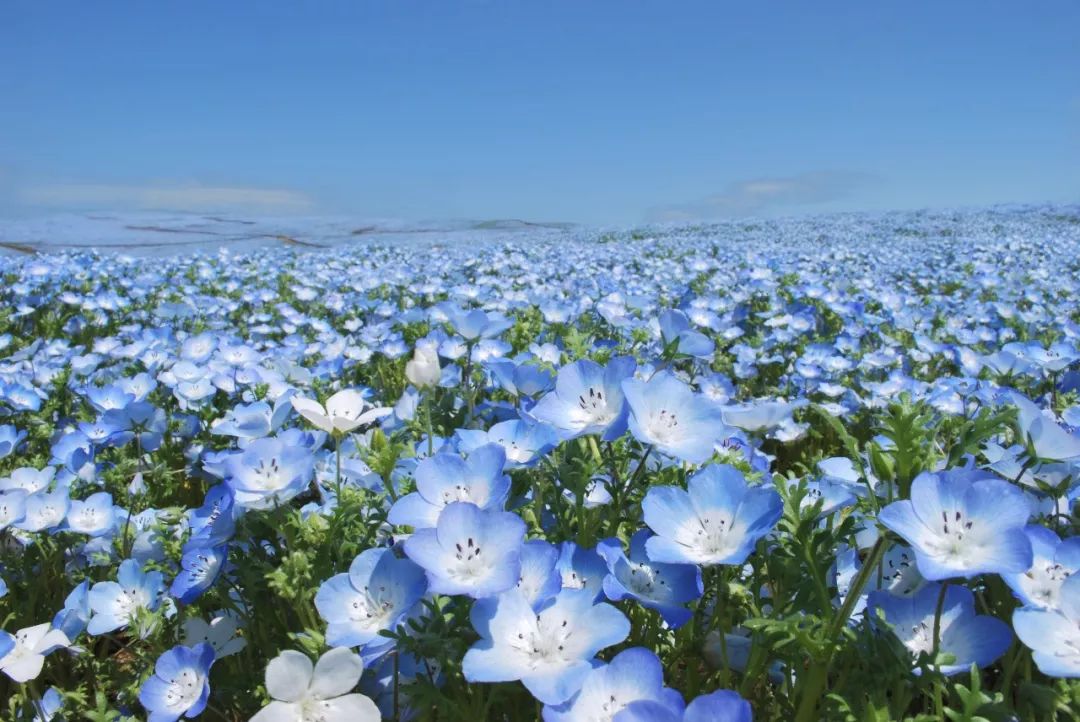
(962, 523)
(96, 516)
(180, 685)
(1054, 561)
(268, 472)
(677, 334)
(1054, 635)
(520, 379)
(969, 637)
(588, 399)
(10, 438)
(717, 521)
(115, 604)
(581, 568)
(721, 706)
(444, 478)
(12, 507)
(470, 551)
(550, 651)
(540, 579)
(45, 510)
(73, 618)
(213, 523)
(524, 443)
(378, 592)
(199, 568)
(663, 587)
(665, 413)
(633, 675)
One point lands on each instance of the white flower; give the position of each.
(346, 410)
(303, 693)
(220, 632)
(424, 369)
(25, 660)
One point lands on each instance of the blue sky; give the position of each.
(589, 111)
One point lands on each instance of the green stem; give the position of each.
(818, 676)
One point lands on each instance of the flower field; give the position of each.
(806, 469)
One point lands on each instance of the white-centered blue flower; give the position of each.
(665, 413)
(717, 520)
(470, 551)
(550, 651)
(962, 523)
(444, 478)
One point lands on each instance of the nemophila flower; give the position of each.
(378, 593)
(10, 438)
(268, 472)
(345, 411)
(49, 708)
(962, 523)
(551, 651)
(1054, 561)
(540, 579)
(115, 604)
(969, 637)
(246, 421)
(137, 421)
(45, 510)
(520, 379)
(717, 520)
(676, 333)
(423, 369)
(831, 495)
(213, 523)
(665, 413)
(721, 706)
(760, 415)
(898, 575)
(12, 507)
(303, 692)
(595, 494)
(1047, 438)
(525, 443)
(180, 685)
(476, 324)
(95, 516)
(634, 674)
(28, 479)
(73, 618)
(663, 587)
(581, 568)
(219, 633)
(199, 569)
(1053, 635)
(25, 658)
(3, 588)
(469, 551)
(588, 399)
(444, 478)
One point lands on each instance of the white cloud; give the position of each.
(763, 195)
(197, 198)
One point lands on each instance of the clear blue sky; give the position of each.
(589, 110)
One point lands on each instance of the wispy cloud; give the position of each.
(761, 196)
(196, 198)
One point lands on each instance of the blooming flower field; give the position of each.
(781, 470)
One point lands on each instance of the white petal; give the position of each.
(313, 412)
(288, 676)
(279, 712)
(350, 708)
(336, 673)
(22, 667)
(55, 638)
